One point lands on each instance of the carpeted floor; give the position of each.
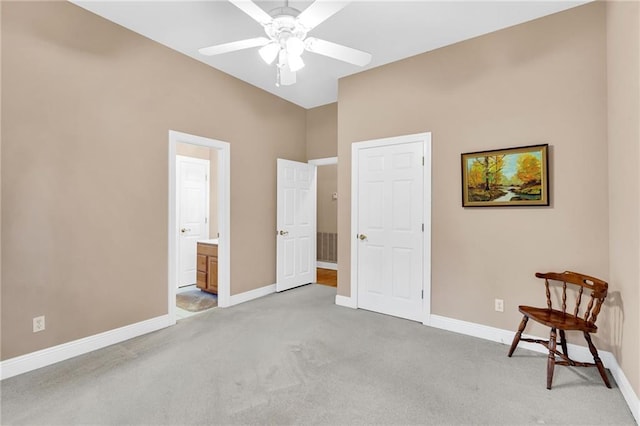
(297, 358)
(196, 300)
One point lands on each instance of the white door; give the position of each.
(296, 224)
(389, 236)
(192, 196)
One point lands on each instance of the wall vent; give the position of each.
(327, 250)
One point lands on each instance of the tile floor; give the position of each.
(183, 313)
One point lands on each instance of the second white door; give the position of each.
(192, 196)
(390, 229)
(296, 224)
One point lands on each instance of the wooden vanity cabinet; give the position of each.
(207, 276)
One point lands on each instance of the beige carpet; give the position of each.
(295, 358)
(196, 300)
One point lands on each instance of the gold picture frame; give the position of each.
(506, 177)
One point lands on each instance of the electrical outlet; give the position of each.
(38, 324)
(499, 305)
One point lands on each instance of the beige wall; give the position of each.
(327, 206)
(623, 71)
(87, 106)
(540, 82)
(322, 142)
(322, 131)
(204, 153)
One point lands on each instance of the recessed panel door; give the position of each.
(296, 224)
(390, 224)
(192, 196)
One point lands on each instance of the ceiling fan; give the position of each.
(286, 29)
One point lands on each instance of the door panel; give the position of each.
(390, 215)
(296, 224)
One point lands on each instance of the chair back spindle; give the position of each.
(598, 292)
(578, 301)
(548, 292)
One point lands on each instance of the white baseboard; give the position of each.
(345, 301)
(578, 353)
(629, 395)
(42, 358)
(327, 265)
(251, 294)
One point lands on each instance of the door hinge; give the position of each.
(422, 294)
(423, 227)
(423, 160)
(206, 220)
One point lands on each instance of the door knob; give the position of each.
(284, 233)
(362, 237)
(184, 230)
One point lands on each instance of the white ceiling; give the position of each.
(389, 30)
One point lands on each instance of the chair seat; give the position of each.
(557, 319)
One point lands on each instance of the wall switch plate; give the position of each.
(499, 305)
(38, 324)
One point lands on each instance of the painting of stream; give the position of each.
(515, 176)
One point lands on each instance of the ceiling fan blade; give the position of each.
(253, 10)
(337, 51)
(233, 46)
(319, 11)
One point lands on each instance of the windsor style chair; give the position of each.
(562, 320)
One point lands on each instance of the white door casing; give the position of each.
(192, 195)
(390, 209)
(296, 224)
(223, 168)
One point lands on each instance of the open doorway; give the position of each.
(197, 220)
(198, 224)
(327, 221)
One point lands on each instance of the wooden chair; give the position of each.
(563, 321)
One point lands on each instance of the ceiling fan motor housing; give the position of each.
(283, 27)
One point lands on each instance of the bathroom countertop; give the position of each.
(209, 241)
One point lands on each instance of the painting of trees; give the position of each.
(529, 168)
(506, 176)
(486, 172)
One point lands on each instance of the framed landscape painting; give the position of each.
(506, 177)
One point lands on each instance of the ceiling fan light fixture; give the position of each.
(269, 52)
(295, 46)
(295, 62)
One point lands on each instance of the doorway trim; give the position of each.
(324, 161)
(426, 209)
(224, 217)
(327, 161)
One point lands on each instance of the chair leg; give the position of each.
(596, 359)
(516, 338)
(563, 343)
(551, 361)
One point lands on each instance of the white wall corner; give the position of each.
(578, 353)
(42, 358)
(252, 294)
(345, 301)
